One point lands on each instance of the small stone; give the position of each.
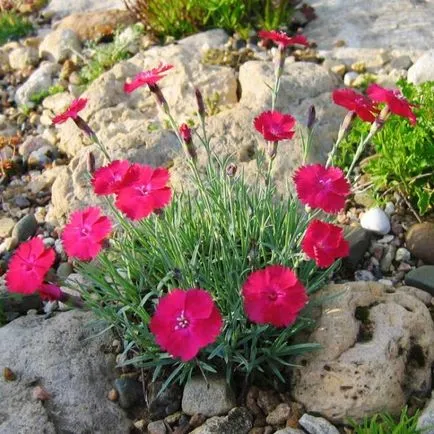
(365, 199)
(25, 228)
(289, 431)
(423, 69)
(173, 418)
(422, 278)
(238, 421)
(376, 220)
(389, 209)
(364, 275)
(404, 267)
(358, 240)
(401, 62)
(349, 78)
(402, 255)
(425, 422)
(279, 415)
(359, 67)
(386, 282)
(64, 270)
(130, 392)
(388, 258)
(157, 427)
(113, 395)
(317, 425)
(387, 239)
(139, 424)
(268, 400)
(161, 404)
(420, 241)
(40, 394)
(8, 374)
(22, 202)
(339, 69)
(6, 226)
(8, 244)
(210, 398)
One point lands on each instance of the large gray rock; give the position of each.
(40, 80)
(423, 69)
(57, 46)
(426, 420)
(420, 241)
(212, 397)
(373, 23)
(57, 355)
(238, 421)
(376, 350)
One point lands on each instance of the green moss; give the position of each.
(13, 26)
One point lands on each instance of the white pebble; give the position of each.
(375, 220)
(402, 255)
(389, 209)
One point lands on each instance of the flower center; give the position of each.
(144, 190)
(272, 294)
(181, 322)
(84, 231)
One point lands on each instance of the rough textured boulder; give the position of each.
(376, 351)
(56, 355)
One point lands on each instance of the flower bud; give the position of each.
(380, 120)
(231, 170)
(311, 117)
(90, 163)
(200, 103)
(161, 101)
(84, 126)
(346, 125)
(185, 133)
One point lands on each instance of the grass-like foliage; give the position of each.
(182, 17)
(212, 239)
(38, 97)
(386, 424)
(13, 26)
(403, 155)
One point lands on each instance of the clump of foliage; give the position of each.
(183, 17)
(403, 155)
(386, 424)
(13, 26)
(105, 56)
(38, 97)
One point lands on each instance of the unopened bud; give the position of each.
(200, 103)
(380, 120)
(311, 117)
(84, 126)
(272, 150)
(185, 133)
(346, 125)
(161, 101)
(231, 170)
(90, 163)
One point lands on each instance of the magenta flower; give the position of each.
(109, 179)
(50, 292)
(354, 101)
(186, 321)
(71, 112)
(151, 77)
(324, 243)
(28, 266)
(85, 233)
(321, 187)
(274, 296)
(394, 99)
(282, 39)
(275, 126)
(145, 191)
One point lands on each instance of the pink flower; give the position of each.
(146, 190)
(85, 233)
(50, 292)
(186, 321)
(71, 112)
(324, 243)
(394, 99)
(282, 39)
(321, 187)
(28, 266)
(185, 132)
(109, 179)
(275, 126)
(150, 77)
(353, 101)
(274, 296)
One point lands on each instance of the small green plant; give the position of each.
(386, 424)
(401, 155)
(38, 97)
(13, 26)
(183, 17)
(104, 56)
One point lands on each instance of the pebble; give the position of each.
(130, 392)
(25, 228)
(422, 278)
(386, 239)
(317, 425)
(385, 282)
(339, 69)
(6, 226)
(289, 431)
(64, 270)
(364, 275)
(387, 259)
(49, 242)
(402, 255)
(375, 220)
(157, 427)
(389, 209)
(358, 240)
(113, 395)
(420, 241)
(267, 401)
(8, 244)
(349, 78)
(279, 415)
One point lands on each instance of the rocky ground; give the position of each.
(58, 372)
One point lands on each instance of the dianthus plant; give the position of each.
(215, 278)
